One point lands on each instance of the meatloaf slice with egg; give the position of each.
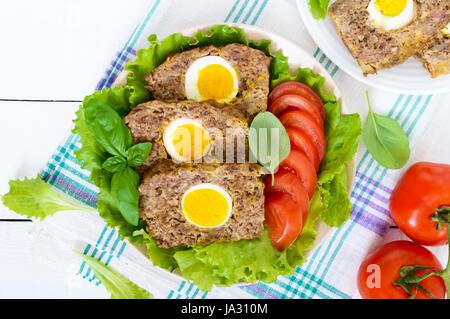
(435, 57)
(164, 185)
(376, 48)
(167, 81)
(147, 123)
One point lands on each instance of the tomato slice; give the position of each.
(284, 220)
(286, 182)
(295, 102)
(303, 168)
(303, 143)
(305, 123)
(297, 88)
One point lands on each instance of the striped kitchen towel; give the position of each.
(331, 270)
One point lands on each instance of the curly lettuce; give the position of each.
(223, 264)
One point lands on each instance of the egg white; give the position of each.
(168, 138)
(389, 23)
(213, 187)
(192, 74)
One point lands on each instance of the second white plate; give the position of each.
(407, 78)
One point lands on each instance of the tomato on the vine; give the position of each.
(300, 89)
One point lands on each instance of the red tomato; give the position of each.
(305, 123)
(422, 189)
(382, 267)
(303, 168)
(284, 220)
(295, 102)
(301, 142)
(297, 88)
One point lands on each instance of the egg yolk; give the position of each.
(205, 207)
(215, 82)
(391, 8)
(190, 141)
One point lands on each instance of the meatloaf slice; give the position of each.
(375, 48)
(435, 57)
(148, 121)
(165, 183)
(166, 82)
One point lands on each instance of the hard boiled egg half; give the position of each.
(211, 78)
(390, 14)
(186, 140)
(206, 205)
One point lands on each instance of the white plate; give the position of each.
(297, 57)
(408, 78)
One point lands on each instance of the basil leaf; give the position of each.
(268, 141)
(124, 186)
(107, 127)
(115, 164)
(385, 140)
(137, 154)
(117, 285)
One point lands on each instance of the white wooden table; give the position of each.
(53, 53)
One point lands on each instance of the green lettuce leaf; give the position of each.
(117, 285)
(33, 197)
(319, 8)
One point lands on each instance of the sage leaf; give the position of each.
(124, 188)
(386, 140)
